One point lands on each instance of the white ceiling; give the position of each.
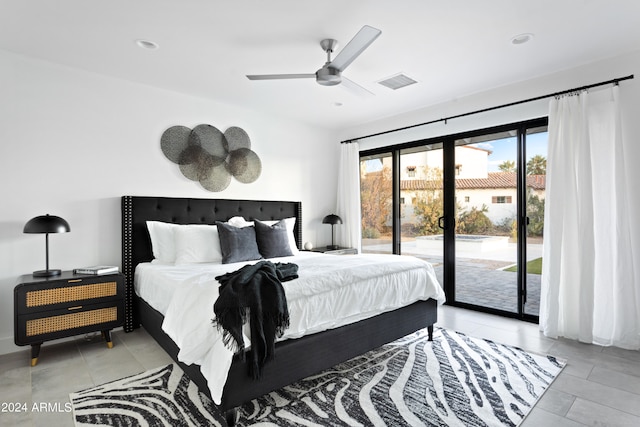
(452, 48)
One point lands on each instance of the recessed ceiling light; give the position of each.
(147, 44)
(521, 38)
(337, 104)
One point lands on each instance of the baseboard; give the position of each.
(7, 346)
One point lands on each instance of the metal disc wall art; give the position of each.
(206, 155)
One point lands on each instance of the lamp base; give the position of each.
(46, 273)
(333, 247)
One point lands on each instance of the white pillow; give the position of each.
(197, 243)
(238, 221)
(162, 241)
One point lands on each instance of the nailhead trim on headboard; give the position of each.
(127, 261)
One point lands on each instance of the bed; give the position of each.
(297, 357)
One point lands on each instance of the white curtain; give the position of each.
(588, 290)
(348, 205)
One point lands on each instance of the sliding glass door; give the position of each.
(486, 239)
(472, 205)
(376, 199)
(535, 144)
(422, 204)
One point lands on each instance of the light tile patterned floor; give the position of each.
(599, 387)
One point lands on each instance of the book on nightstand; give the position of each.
(98, 269)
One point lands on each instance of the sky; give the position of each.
(505, 149)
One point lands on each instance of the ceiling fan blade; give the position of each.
(355, 47)
(355, 88)
(280, 76)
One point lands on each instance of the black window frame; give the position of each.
(449, 166)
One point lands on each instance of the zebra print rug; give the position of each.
(160, 397)
(455, 380)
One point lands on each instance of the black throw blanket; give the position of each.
(257, 288)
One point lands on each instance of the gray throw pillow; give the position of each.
(273, 240)
(237, 244)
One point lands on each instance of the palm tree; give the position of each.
(537, 165)
(507, 166)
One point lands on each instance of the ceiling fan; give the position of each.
(331, 72)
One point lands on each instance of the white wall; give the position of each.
(587, 74)
(497, 212)
(72, 143)
(474, 163)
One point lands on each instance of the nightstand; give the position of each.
(339, 251)
(48, 308)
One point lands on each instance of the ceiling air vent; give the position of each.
(397, 81)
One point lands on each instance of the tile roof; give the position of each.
(493, 180)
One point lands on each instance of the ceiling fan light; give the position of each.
(328, 76)
(329, 82)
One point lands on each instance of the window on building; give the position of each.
(467, 199)
(411, 171)
(458, 169)
(501, 199)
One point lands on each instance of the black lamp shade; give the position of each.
(45, 224)
(332, 219)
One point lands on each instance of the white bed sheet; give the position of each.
(331, 291)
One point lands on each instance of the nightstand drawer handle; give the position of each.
(74, 280)
(77, 307)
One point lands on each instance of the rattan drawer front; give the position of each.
(65, 322)
(43, 297)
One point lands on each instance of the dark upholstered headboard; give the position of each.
(136, 210)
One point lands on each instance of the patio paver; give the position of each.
(481, 281)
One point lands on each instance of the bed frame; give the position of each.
(295, 359)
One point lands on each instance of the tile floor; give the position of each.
(599, 386)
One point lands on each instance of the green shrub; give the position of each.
(535, 212)
(504, 227)
(474, 221)
(370, 233)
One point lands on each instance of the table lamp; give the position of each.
(332, 219)
(46, 224)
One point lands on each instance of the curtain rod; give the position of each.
(511, 104)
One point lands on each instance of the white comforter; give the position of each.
(331, 291)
